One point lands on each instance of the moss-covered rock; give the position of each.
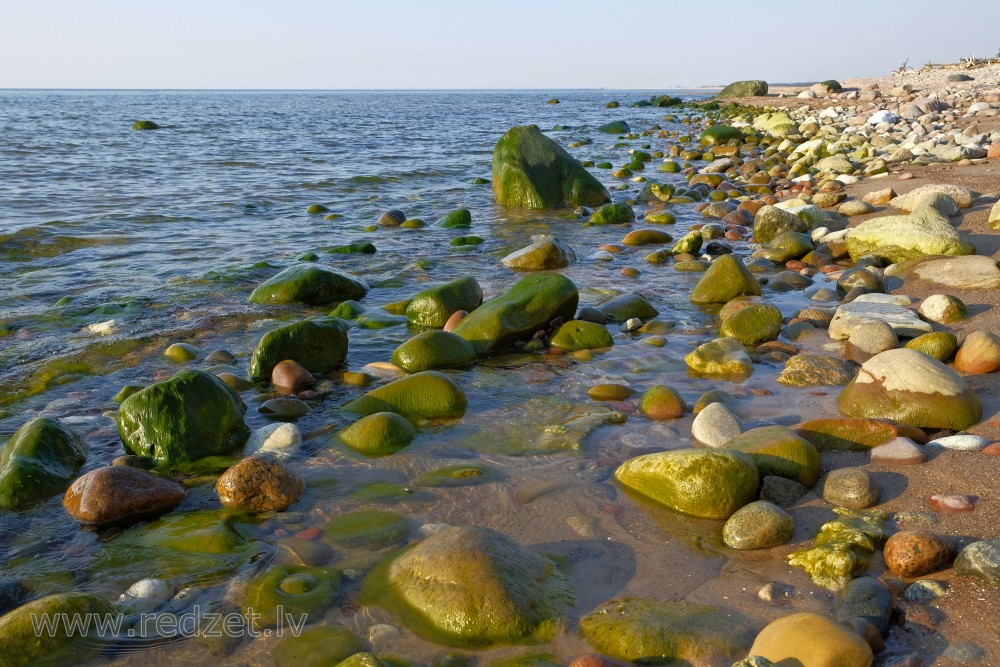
(432, 350)
(759, 525)
(455, 475)
(660, 632)
(777, 450)
(542, 255)
(145, 125)
(855, 435)
(532, 171)
(770, 221)
(940, 345)
(753, 325)
(903, 237)
(189, 416)
(22, 646)
(295, 590)
(626, 306)
(379, 434)
(319, 344)
(808, 369)
(706, 483)
(580, 335)
(714, 135)
(661, 403)
(424, 395)
(470, 586)
(726, 278)
(750, 88)
(517, 314)
(614, 127)
(309, 284)
(457, 219)
(722, 358)
(38, 462)
(321, 646)
(432, 307)
(843, 547)
(364, 248)
(366, 529)
(612, 214)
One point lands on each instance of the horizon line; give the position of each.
(358, 90)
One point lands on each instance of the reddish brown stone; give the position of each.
(291, 376)
(994, 151)
(992, 450)
(980, 353)
(855, 434)
(120, 494)
(914, 553)
(455, 318)
(612, 248)
(260, 484)
(952, 503)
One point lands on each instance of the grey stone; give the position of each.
(980, 560)
(852, 488)
(867, 598)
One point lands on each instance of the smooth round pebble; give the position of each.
(279, 440)
(715, 425)
(961, 443)
(853, 488)
(759, 525)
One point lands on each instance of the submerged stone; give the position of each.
(378, 434)
(366, 529)
(723, 358)
(319, 344)
(433, 350)
(321, 646)
(309, 284)
(753, 325)
(580, 335)
(24, 647)
(298, 591)
(432, 307)
(38, 462)
(424, 395)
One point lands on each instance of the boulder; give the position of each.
(777, 450)
(424, 395)
(532, 171)
(753, 325)
(38, 462)
(516, 315)
(911, 200)
(855, 435)
(902, 237)
(770, 221)
(962, 272)
(191, 415)
(119, 495)
(432, 307)
(759, 525)
(810, 640)
(309, 284)
(750, 88)
(725, 279)
(319, 344)
(911, 388)
(378, 434)
(580, 335)
(259, 484)
(22, 645)
(627, 306)
(705, 483)
(542, 255)
(723, 358)
(612, 214)
(433, 350)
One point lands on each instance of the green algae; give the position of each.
(843, 547)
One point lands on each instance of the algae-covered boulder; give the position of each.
(532, 171)
(471, 586)
(366, 529)
(806, 639)
(706, 483)
(612, 214)
(298, 591)
(425, 395)
(319, 344)
(855, 435)
(723, 358)
(322, 646)
(544, 254)
(580, 335)
(714, 135)
(378, 434)
(751, 88)
(458, 219)
(38, 462)
(516, 315)
(22, 646)
(309, 284)
(899, 238)
(432, 307)
(431, 350)
(753, 325)
(777, 450)
(615, 127)
(145, 125)
(912, 388)
(660, 632)
(725, 279)
(191, 415)
(770, 221)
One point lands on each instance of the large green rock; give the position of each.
(615, 127)
(319, 344)
(751, 88)
(662, 632)
(753, 325)
(613, 214)
(425, 395)
(899, 238)
(706, 483)
(432, 307)
(912, 388)
(514, 316)
(580, 335)
(714, 135)
(191, 415)
(22, 646)
(296, 590)
(38, 462)
(777, 450)
(725, 279)
(309, 284)
(472, 587)
(532, 171)
(542, 255)
(379, 434)
(431, 350)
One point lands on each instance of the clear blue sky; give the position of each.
(547, 44)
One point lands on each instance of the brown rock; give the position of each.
(120, 494)
(260, 484)
(914, 553)
(994, 151)
(610, 392)
(867, 631)
(992, 450)
(455, 318)
(952, 503)
(879, 197)
(291, 376)
(980, 353)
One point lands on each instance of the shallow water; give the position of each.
(167, 232)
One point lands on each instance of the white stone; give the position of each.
(600, 256)
(962, 196)
(280, 440)
(877, 297)
(834, 236)
(715, 425)
(883, 116)
(898, 451)
(852, 315)
(102, 328)
(967, 271)
(146, 595)
(907, 370)
(937, 308)
(961, 443)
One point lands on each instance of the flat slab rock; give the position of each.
(964, 272)
(905, 322)
(961, 443)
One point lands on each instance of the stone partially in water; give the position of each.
(777, 450)
(38, 462)
(432, 307)
(433, 350)
(753, 325)
(291, 377)
(545, 254)
(723, 358)
(749, 88)
(654, 632)
(279, 440)
(627, 306)
(726, 279)
(714, 135)
(470, 586)
(321, 646)
(612, 214)
(715, 425)
(911, 388)
(661, 402)
(291, 592)
(318, 344)
(309, 284)
(842, 548)
(706, 483)
(23, 647)
(532, 171)
(379, 434)
(532, 304)
(120, 494)
(259, 484)
(759, 525)
(425, 395)
(770, 221)
(810, 640)
(580, 335)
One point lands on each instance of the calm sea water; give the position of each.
(166, 232)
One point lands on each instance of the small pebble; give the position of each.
(926, 589)
(631, 325)
(961, 443)
(952, 503)
(898, 452)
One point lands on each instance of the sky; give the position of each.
(452, 44)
